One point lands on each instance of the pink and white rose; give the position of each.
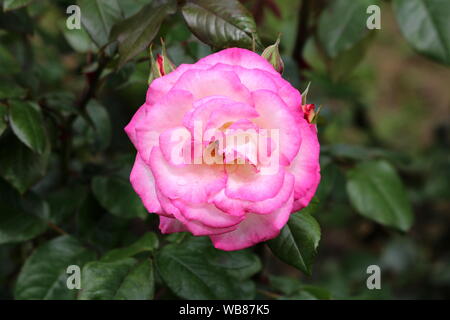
(224, 149)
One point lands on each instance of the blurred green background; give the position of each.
(382, 98)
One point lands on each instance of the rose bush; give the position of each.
(247, 195)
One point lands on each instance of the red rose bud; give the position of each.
(272, 54)
(309, 111)
(160, 63)
(161, 66)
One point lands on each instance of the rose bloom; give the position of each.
(247, 193)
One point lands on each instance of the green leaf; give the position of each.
(343, 24)
(118, 197)
(79, 40)
(10, 90)
(21, 218)
(124, 279)
(65, 201)
(3, 114)
(130, 7)
(425, 25)
(148, 242)
(98, 136)
(16, 21)
(294, 290)
(61, 101)
(309, 293)
(193, 269)
(19, 165)
(298, 241)
(44, 274)
(221, 24)
(100, 117)
(240, 264)
(98, 18)
(138, 31)
(15, 4)
(27, 123)
(8, 65)
(376, 192)
(283, 284)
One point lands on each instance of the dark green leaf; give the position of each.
(15, 4)
(317, 293)
(79, 40)
(124, 279)
(240, 264)
(376, 191)
(192, 270)
(118, 197)
(343, 24)
(285, 285)
(425, 25)
(309, 293)
(148, 242)
(221, 24)
(98, 17)
(16, 21)
(61, 101)
(98, 136)
(44, 275)
(21, 218)
(8, 65)
(3, 114)
(138, 31)
(100, 117)
(9, 90)
(19, 165)
(27, 123)
(64, 202)
(298, 241)
(130, 7)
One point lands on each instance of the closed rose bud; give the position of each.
(161, 66)
(309, 112)
(272, 54)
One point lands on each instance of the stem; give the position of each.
(57, 229)
(269, 294)
(302, 34)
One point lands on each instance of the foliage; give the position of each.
(65, 199)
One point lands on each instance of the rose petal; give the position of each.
(195, 227)
(193, 183)
(161, 86)
(246, 183)
(207, 214)
(240, 207)
(274, 114)
(205, 83)
(305, 167)
(238, 57)
(166, 114)
(254, 229)
(170, 225)
(137, 118)
(142, 180)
